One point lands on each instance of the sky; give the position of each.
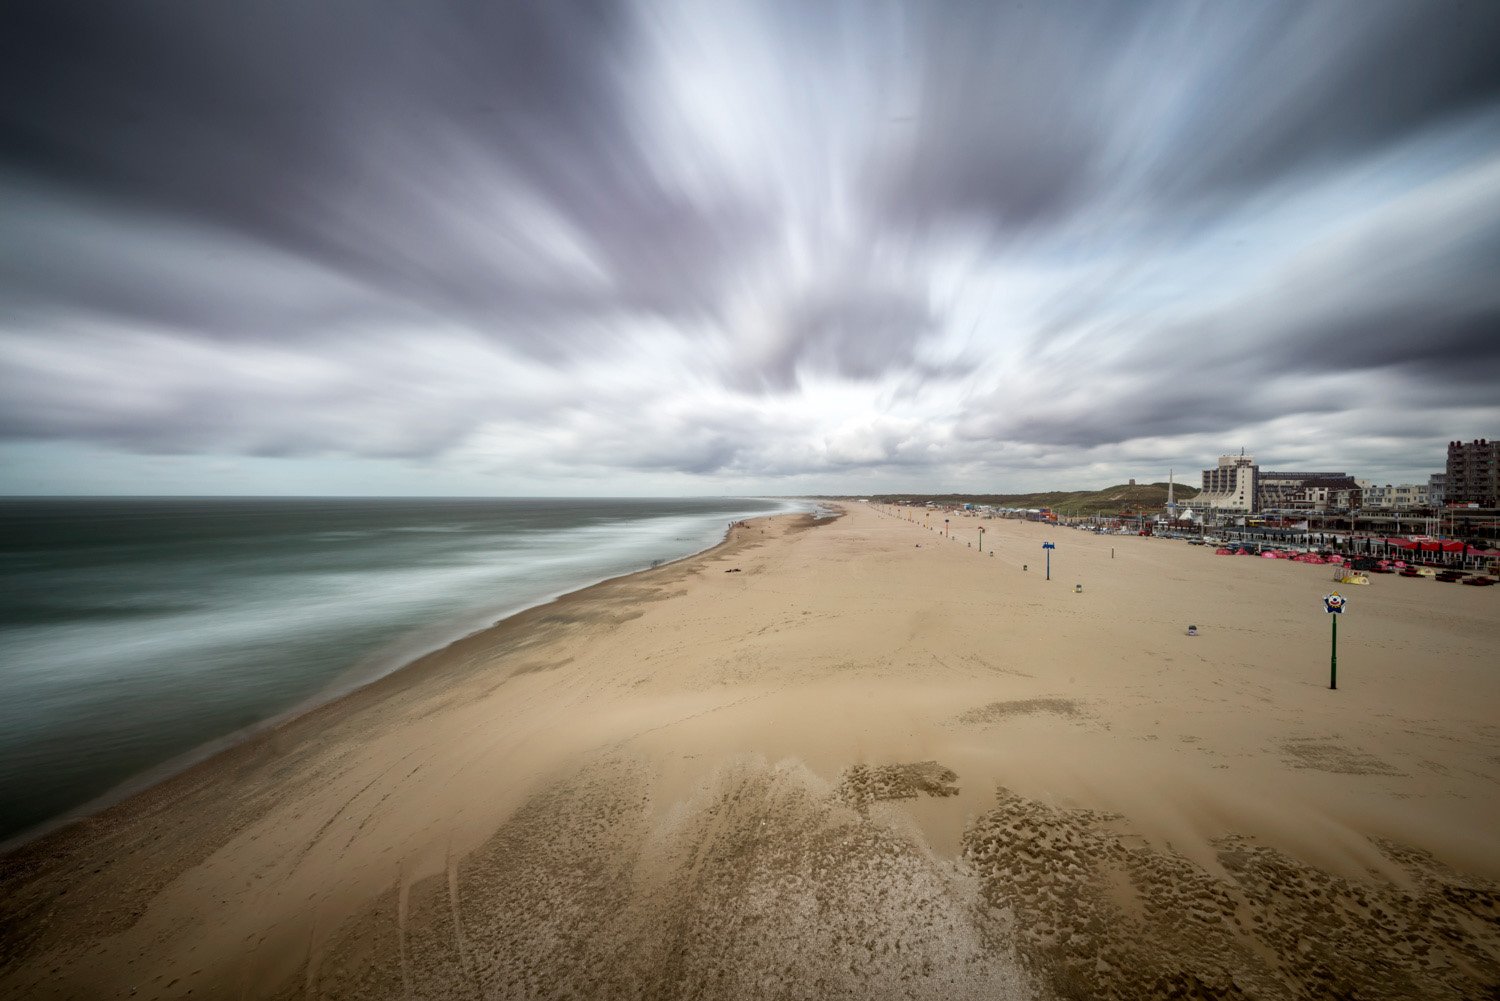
(702, 248)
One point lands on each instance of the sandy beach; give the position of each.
(840, 759)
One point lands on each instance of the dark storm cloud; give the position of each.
(1426, 313)
(1455, 349)
(1001, 117)
(1434, 319)
(167, 395)
(1019, 116)
(64, 259)
(1118, 406)
(370, 139)
(1305, 85)
(853, 328)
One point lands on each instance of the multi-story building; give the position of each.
(1324, 496)
(1393, 497)
(1437, 484)
(1304, 491)
(1473, 473)
(1230, 486)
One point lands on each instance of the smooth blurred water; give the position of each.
(133, 631)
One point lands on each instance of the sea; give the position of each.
(139, 634)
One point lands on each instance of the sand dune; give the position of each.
(873, 763)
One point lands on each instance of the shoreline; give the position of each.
(351, 681)
(849, 761)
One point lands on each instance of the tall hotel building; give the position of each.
(1473, 473)
(1231, 485)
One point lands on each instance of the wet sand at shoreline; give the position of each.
(871, 762)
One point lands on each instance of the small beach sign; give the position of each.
(1334, 605)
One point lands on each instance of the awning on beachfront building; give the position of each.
(1427, 545)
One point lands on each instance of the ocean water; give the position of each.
(136, 631)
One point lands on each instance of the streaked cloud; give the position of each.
(708, 248)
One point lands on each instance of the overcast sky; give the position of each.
(706, 248)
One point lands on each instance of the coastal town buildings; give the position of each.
(1473, 475)
(1238, 486)
(1308, 491)
(1393, 497)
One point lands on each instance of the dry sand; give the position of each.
(870, 763)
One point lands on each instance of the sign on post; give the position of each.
(1049, 547)
(1334, 605)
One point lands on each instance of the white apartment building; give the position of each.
(1394, 497)
(1230, 486)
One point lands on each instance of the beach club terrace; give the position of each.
(1475, 545)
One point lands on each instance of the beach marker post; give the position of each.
(1334, 604)
(945, 527)
(981, 538)
(1049, 547)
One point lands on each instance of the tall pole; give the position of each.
(1049, 564)
(1333, 659)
